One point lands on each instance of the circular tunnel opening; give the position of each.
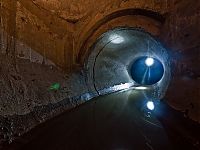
(147, 70)
(127, 57)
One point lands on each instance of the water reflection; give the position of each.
(109, 122)
(122, 120)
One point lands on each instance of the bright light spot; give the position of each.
(140, 88)
(149, 61)
(116, 39)
(122, 86)
(150, 105)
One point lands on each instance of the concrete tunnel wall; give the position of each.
(108, 65)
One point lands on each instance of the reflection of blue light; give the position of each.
(149, 61)
(150, 105)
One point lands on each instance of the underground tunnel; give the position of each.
(117, 58)
(99, 75)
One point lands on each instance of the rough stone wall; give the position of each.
(57, 30)
(136, 21)
(44, 32)
(109, 11)
(181, 34)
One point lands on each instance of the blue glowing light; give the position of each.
(149, 61)
(150, 105)
(147, 70)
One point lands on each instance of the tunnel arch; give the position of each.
(108, 65)
(88, 36)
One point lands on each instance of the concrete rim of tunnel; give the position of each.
(102, 88)
(94, 30)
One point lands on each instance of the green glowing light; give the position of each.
(54, 86)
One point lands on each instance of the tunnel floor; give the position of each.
(116, 121)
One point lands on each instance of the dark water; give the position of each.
(118, 121)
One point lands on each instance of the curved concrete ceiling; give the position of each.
(152, 18)
(108, 66)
